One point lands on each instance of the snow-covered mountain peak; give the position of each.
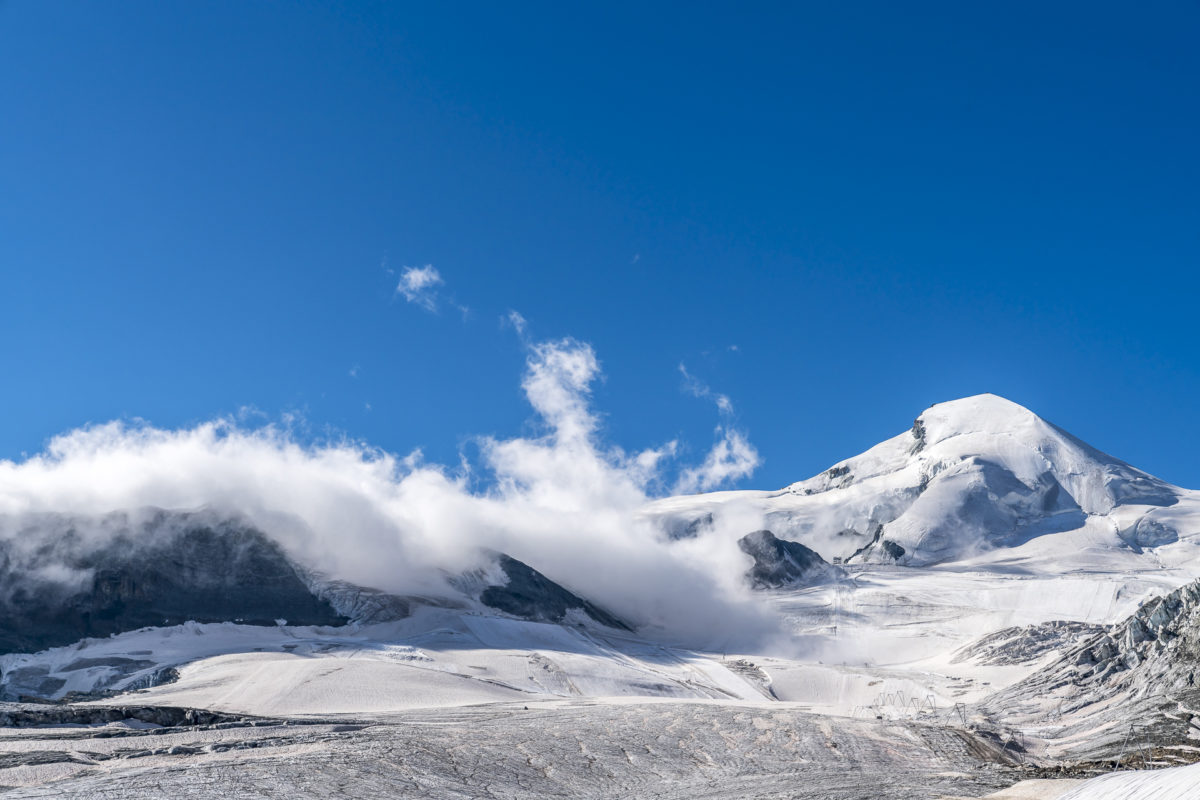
(970, 476)
(987, 432)
(986, 414)
(984, 425)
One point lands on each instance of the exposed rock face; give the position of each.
(1026, 644)
(365, 605)
(63, 579)
(779, 564)
(164, 569)
(1144, 672)
(29, 716)
(529, 594)
(687, 528)
(918, 435)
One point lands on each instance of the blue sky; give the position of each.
(834, 214)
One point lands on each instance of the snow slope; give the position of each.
(970, 477)
(1177, 783)
(436, 658)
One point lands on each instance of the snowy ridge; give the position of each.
(970, 477)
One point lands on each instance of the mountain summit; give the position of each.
(970, 476)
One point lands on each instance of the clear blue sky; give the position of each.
(880, 205)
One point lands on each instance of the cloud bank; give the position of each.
(561, 499)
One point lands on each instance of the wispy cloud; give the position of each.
(697, 388)
(419, 285)
(517, 320)
(731, 458)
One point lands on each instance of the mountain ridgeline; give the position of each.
(528, 594)
(66, 578)
(62, 582)
(969, 477)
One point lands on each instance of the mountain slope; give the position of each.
(515, 588)
(1134, 683)
(65, 578)
(971, 476)
(63, 582)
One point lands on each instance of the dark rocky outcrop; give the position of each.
(366, 605)
(918, 434)
(531, 595)
(687, 528)
(15, 715)
(780, 564)
(876, 533)
(64, 583)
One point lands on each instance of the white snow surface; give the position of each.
(971, 477)
(1175, 783)
(437, 658)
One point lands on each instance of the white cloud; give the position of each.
(731, 458)
(697, 388)
(419, 285)
(517, 320)
(560, 499)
